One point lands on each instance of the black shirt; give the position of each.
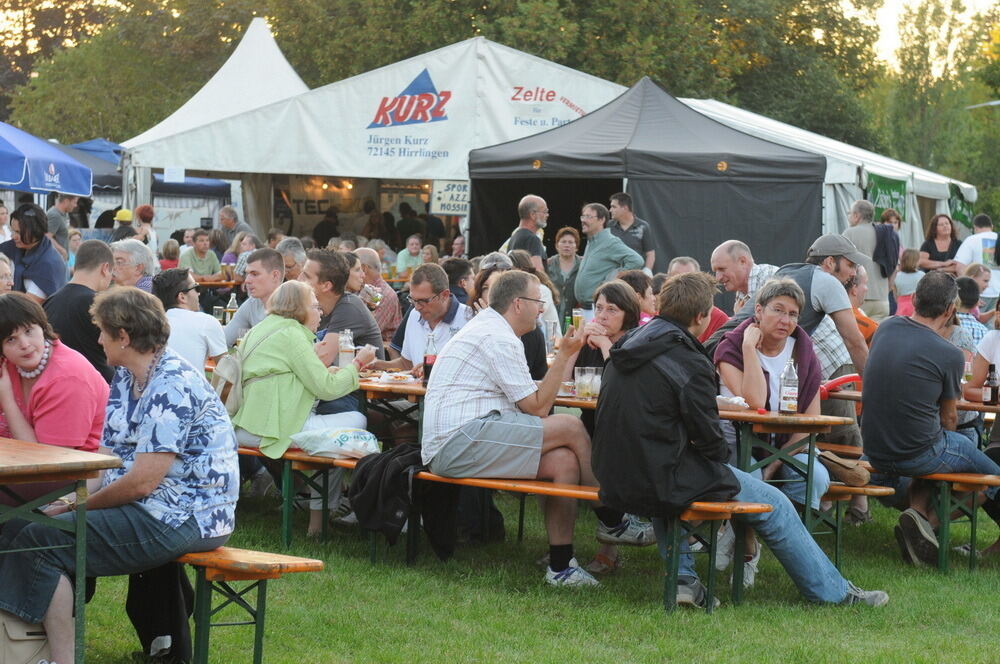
(68, 311)
(932, 251)
(527, 240)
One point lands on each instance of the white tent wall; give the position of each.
(258, 202)
(837, 201)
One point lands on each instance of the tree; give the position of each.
(33, 30)
(145, 63)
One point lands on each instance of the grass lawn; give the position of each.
(489, 604)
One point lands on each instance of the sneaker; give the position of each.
(856, 595)
(349, 519)
(574, 575)
(725, 547)
(629, 532)
(261, 485)
(916, 539)
(750, 567)
(601, 564)
(693, 594)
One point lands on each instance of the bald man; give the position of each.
(534, 214)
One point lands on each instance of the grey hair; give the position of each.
(778, 288)
(496, 259)
(139, 253)
(229, 212)
(4, 259)
(684, 260)
(377, 244)
(292, 246)
(864, 210)
(369, 257)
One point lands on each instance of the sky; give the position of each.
(888, 19)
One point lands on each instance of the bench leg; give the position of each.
(713, 538)
(739, 555)
(373, 547)
(672, 560)
(838, 533)
(520, 517)
(288, 491)
(944, 527)
(973, 528)
(258, 630)
(325, 509)
(413, 531)
(202, 616)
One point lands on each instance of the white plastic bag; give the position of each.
(337, 443)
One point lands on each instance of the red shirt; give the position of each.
(716, 320)
(166, 264)
(66, 405)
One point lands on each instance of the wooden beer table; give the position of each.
(974, 406)
(219, 284)
(22, 462)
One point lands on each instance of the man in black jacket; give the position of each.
(674, 453)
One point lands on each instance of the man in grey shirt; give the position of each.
(604, 256)
(265, 272)
(229, 219)
(862, 234)
(58, 218)
(326, 272)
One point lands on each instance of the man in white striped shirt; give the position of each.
(485, 417)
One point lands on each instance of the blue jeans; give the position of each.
(796, 490)
(120, 540)
(953, 453)
(782, 530)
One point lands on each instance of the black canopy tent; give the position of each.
(696, 181)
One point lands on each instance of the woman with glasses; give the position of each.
(39, 270)
(283, 377)
(750, 360)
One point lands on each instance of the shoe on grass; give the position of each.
(750, 567)
(855, 517)
(601, 564)
(691, 592)
(856, 595)
(572, 576)
(917, 541)
(629, 532)
(261, 485)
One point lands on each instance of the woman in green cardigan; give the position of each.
(283, 377)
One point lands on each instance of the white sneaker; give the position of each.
(630, 532)
(750, 567)
(725, 545)
(574, 575)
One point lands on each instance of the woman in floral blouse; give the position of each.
(175, 492)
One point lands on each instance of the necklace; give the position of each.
(140, 387)
(28, 375)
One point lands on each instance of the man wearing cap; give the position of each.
(831, 262)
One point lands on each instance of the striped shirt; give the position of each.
(481, 370)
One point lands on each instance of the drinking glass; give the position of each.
(595, 381)
(551, 334)
(967, 376)
(577, 318)
(582, 376)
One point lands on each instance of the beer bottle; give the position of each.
(991, 390)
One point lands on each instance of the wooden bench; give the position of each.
(216, 569)
(954, 499)
(696, 516)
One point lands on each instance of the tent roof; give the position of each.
(646, 133)
(413, 119)
(924, 182)
(106, 176)
(101, 147)
(256, 74)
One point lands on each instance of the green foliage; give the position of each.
(33, 30)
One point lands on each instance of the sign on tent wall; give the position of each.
(885, 193)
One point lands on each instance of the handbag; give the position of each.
(22, 643)
(227, 379)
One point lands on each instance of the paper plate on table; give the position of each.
(397, 378)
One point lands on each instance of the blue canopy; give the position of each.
(30, 164)
(102, 148)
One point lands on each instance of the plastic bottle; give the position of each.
(430, 357)
(346, 355)
(231, 308)
(991, 389)
(788, 399)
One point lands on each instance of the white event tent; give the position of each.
(848, 170)
(412, 120)
(255, 75)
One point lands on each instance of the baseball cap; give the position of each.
(124, 215)
(832, 244)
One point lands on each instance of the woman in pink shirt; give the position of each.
(49, 393)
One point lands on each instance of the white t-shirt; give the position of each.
(774, 366)
(417, 331)
(195, 336)
(981, 248)
(989, 347)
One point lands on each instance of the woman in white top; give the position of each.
(194, 335)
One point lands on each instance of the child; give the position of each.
(906, 281)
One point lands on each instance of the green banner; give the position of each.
(961, 210)
(885, 193)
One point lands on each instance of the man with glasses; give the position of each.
(435, 311)
(194, 335)
(605, 256)
(534, 214)
(484, 416)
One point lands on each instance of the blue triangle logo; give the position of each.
(421, 84)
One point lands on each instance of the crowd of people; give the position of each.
(105, 346)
